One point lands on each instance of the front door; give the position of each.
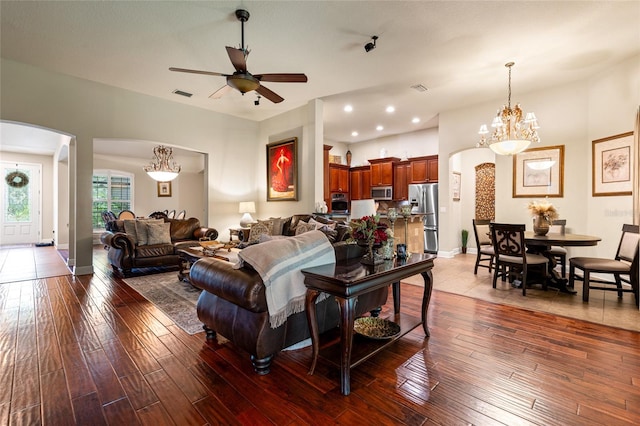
(20, 203)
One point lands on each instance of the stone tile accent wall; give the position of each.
(486, 191)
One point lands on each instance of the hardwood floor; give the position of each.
(90, 350)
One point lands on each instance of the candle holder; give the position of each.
(406, 213)
(392, 215)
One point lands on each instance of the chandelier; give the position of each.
(162, 167)
(511, 134)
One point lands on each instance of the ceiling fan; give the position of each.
(242, 80)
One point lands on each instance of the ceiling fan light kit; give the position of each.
(511, 133)
(242, 80)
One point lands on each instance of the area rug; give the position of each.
(175, 298)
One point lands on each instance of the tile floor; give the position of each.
(27, 262)
(456, 276)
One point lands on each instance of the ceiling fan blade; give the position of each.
(238, 58)
(220, 92)
(282, 78)
(198, 72)
(272, 96)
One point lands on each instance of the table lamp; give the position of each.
(361, 208)
(246, 207)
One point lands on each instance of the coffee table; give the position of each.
(348, 279)
(189, 255)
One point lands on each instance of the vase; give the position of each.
(371, 256)
(540, 225)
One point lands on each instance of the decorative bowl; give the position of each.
(376, 328)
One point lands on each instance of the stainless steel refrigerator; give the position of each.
(424, 200)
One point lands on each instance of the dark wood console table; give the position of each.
(346, 281)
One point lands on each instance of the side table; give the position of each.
(349, 279)
(240, 233)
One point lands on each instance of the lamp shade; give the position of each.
(360, 208)
(247, 207)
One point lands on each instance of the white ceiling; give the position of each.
(456, 49)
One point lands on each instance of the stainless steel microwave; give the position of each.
(382, 193)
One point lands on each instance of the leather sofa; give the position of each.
(125, 252)
(233, 304)
(340, 232)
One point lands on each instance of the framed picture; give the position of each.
(282, 170)
(611, 165)
(164, 189)
(455, 185)
(539, 172)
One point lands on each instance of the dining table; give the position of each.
(541, 244)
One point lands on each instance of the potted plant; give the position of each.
(465, 237)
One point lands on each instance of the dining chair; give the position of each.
(126, 214)
(511, 258)
(559, 253)
(182, 214)
(624, 267)
(486, 254)
(171, 214)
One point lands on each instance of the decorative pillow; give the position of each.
(278, 224)
(258, 229)
(304, 227)
(268, 224)
(331, 225)
(158, 233)
(130, 229)
(141, 229)
(330, 233)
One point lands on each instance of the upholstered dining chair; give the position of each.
(171, 214)
(484, 258)
(559, 253)
(182, 214)
(126, 214)
(511, 258)
(624, 267)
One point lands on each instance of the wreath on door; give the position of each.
(17, 179)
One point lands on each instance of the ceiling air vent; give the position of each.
(419, 87)
(182, 93)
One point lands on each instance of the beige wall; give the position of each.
(572, 115)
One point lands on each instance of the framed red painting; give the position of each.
(282, 170)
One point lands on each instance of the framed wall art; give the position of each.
(539, 172)
(282, 170)
(164, 189)
(456, 178)
(611, 165)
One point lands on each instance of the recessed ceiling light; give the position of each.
(415, 120)
(354, 133)
(390, 109)
(378, 128)
(348, 108)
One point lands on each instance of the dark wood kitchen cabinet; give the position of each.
(339, 178)
(424, 169)
(382, 171)
(402, 173)
(360, 184)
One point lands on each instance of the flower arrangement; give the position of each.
(369, 229)
(543, 209)
(370, 232)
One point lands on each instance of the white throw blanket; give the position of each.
(280, 262)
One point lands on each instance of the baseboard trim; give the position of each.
(83, 270)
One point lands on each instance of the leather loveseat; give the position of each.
(130, 245)
(233, 304)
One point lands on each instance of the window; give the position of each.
(112, 190)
